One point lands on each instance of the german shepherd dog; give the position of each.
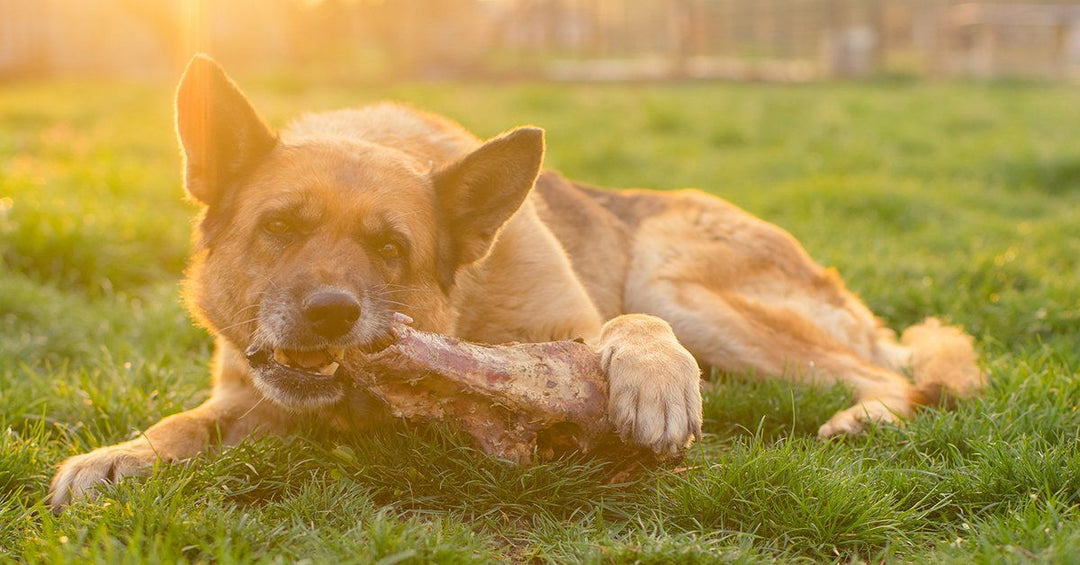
(312, 239)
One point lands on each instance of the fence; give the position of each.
(783, 40)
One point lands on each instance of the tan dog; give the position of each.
(312, 240)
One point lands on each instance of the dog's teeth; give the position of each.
(329, 370)
(337, 353)
(280, 357)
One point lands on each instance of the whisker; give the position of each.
(231, 326)
(269, 280)
(256, 405)
(382, 287)
(246, 308)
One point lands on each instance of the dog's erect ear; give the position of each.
(220, 132)
(478, 193)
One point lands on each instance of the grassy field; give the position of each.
(958, 200)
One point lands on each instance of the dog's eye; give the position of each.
(277, 226)
(390, 250)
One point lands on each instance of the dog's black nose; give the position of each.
(331, 313)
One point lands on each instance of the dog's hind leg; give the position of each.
(735, 334)
(742, 295)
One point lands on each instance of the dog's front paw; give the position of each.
(654, 385)
(79, 476)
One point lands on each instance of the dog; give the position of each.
(313, 238)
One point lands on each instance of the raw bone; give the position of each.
(514, 400)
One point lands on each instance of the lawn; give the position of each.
(958, 200)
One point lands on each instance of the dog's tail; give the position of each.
(943, 364)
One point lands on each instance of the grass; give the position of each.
(960, 200)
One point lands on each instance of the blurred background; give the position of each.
(560, 40)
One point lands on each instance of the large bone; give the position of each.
(514, 400)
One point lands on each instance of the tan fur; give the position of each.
(651, 400)
(657, 282)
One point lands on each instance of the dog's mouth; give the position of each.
(322, 362)
(312, 363)
(308, 378)
(298, 378)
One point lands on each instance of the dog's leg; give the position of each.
(233, 412)
(737, 334)
(744, 296)
(654, 389)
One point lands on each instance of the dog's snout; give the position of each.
(331, 313)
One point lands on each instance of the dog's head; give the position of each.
(307, 248)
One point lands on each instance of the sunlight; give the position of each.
(193, 33)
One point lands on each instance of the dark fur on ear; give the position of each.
(481, 191)
(221, 134)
